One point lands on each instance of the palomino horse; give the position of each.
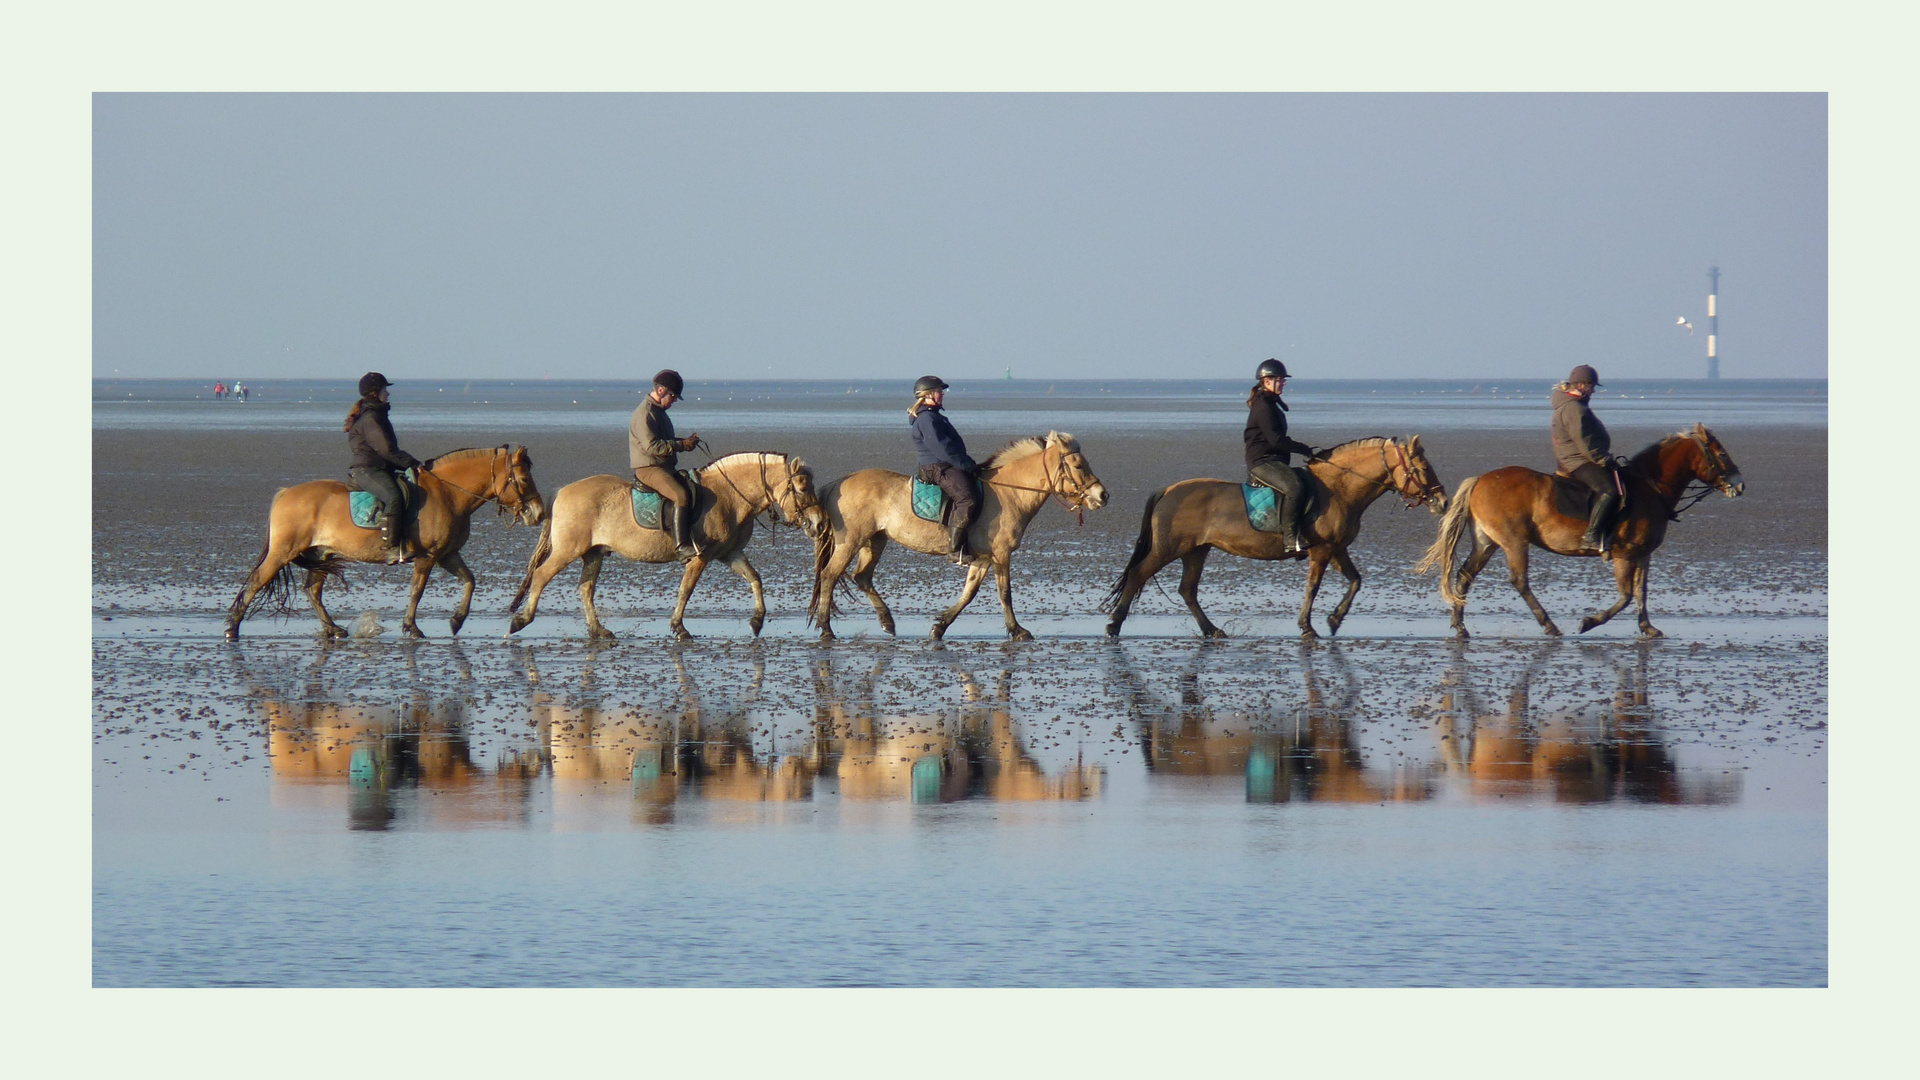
(1187, 520)
(866, 509)
(1513, 507)
(310, 527)
(594, 516)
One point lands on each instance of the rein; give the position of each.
(1058, 477)
(500, 455)
(765, 485)
(1406, 463)
(1680, 506)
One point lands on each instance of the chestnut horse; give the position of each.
(594, 516)
(1187, 520)
(866, 509)
(1513, 507)
(309, 527)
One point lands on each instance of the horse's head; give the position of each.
(517, 492)
(1716, 467)
(1070, 476)
(1417, 481)
(797, 500)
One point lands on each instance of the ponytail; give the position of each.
(354, 413)
(1255, 395)
(919, 402)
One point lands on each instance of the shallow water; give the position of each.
(1393, 808)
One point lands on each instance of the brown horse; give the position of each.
(866, 509)
(1187, 520)
(594, 516)
(309, 526)
(1513, 507)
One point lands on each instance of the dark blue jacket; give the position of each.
(937, 442)
(1266, 435)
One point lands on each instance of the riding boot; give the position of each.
(957, 546)
(682, 532)
(1602, 508)
(1289, 528)
(389, 524)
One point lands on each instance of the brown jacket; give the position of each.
(650, 438)
(1579, 438)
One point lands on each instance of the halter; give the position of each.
(1056, 485)
(502, 455)
(773, 501)
(1720, 473)
(1406, 465)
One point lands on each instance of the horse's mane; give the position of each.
(1370, 440)
(467, 452)
(762, 455)
(1020, 449)
(1646, 461)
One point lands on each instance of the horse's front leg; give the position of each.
(826, 578)
(741, 566)
(976, 573)
(1623, 574)
(422, 568)
(316, 582)
(1192, 565)
(1640, 588)
(590, 563)
(1317, 557)
(457, 566)
(1003, 580)
(695, 567)
(1352, 573)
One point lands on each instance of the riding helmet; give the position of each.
(1584, 374)
(927, 384)
(1270, 367)
(670, 380)
(372, 383)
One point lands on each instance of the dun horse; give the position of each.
(594, 516)
(1513, 507)
(1187, 520)
(870, 507)
(310, 527)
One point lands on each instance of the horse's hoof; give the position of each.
(887, 628)
(1307, 633)
(412, 632)
(756, 623)
(1588, 623)
(1649, 631)
(454, 625)
(1113, 631)
(680, 633)
(233, 633)
(1019, 634)
(1460, 633)
(1214, 633)
(827, 635)
(600, 633)
(1552, 630)
(939, 633)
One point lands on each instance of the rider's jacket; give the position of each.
(650, 439)
(936, 441)
(1579, 438)
(1266, 434)
(372, 441)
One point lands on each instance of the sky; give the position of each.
(1061, 236)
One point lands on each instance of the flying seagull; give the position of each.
(1682, 321)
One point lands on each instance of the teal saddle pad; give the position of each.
(1263, 510)
(362, 506)
(929, 502)
(648, 511)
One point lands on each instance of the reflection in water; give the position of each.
(1307, 753)
(1579, 756)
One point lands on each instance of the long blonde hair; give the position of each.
(920, 401)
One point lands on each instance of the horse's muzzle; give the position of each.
(533, 512)
(1733, 485)
(1096, 497)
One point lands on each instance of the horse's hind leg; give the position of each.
(1133, 580)
(1352, 574)
(976, 573)
(262, 575)
(1193, 563)
(1003, 580)
(1483, 549)
(1623, 575)
(1517, 573)
(739, 565)
(843, 553)
(590, 562)
(1640, 589)
(695, 567)
(457, 566)
(316, 583)
(422, 568)
(869, 558)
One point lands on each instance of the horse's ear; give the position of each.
(1700, 431)
(1413, 443)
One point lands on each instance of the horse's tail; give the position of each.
(822, 553)
(275, 592)
(1452, 524)
(540, 552)
(1141, 548)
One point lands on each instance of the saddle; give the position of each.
(1263, 503)
(363, 507)
(1575, 499)
(930, 503)
(649, 506)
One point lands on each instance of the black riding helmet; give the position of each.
(1270, 367)
(1583, 374)
(670, 380)
(372, 383)
(928, 383)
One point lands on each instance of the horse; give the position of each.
(1189, 519)
(867, 508)
(1513, 507)
(594, 516)
(309, 526)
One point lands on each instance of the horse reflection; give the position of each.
(976, 751)
(1306, 752)
(1576, 756)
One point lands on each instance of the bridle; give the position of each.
(766, 485)
(1425, 494)
(1684, 502)
(1057, 486)
(502, 460)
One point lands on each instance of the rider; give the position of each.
(944, 461)
(377, 457)
(1269, 448)
(1580, 447)
(653, 451)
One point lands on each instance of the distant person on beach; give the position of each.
(219, 391)
(944, 461)
(1270, 449)
(653, 452)
(1581, 447)
(377, 456)
(239, 390)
